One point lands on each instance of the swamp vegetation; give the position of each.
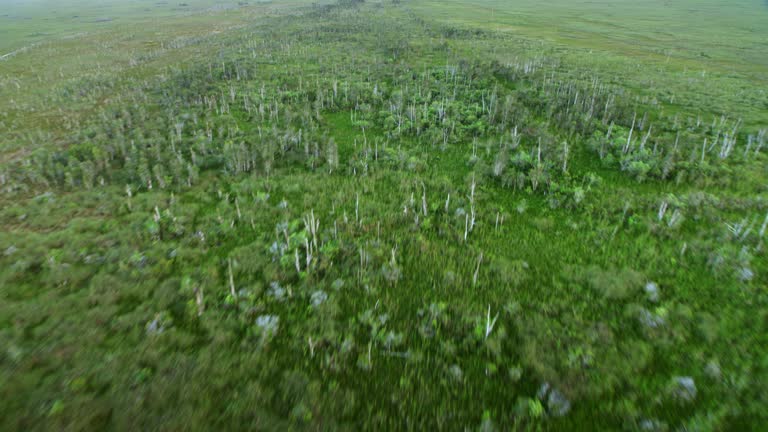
(354, 216)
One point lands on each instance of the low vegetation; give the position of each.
(358, 216)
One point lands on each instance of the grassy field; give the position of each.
(408, 215)
(26, 23)
(714, 35)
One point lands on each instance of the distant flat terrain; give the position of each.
(26, 22)
(717, 34)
